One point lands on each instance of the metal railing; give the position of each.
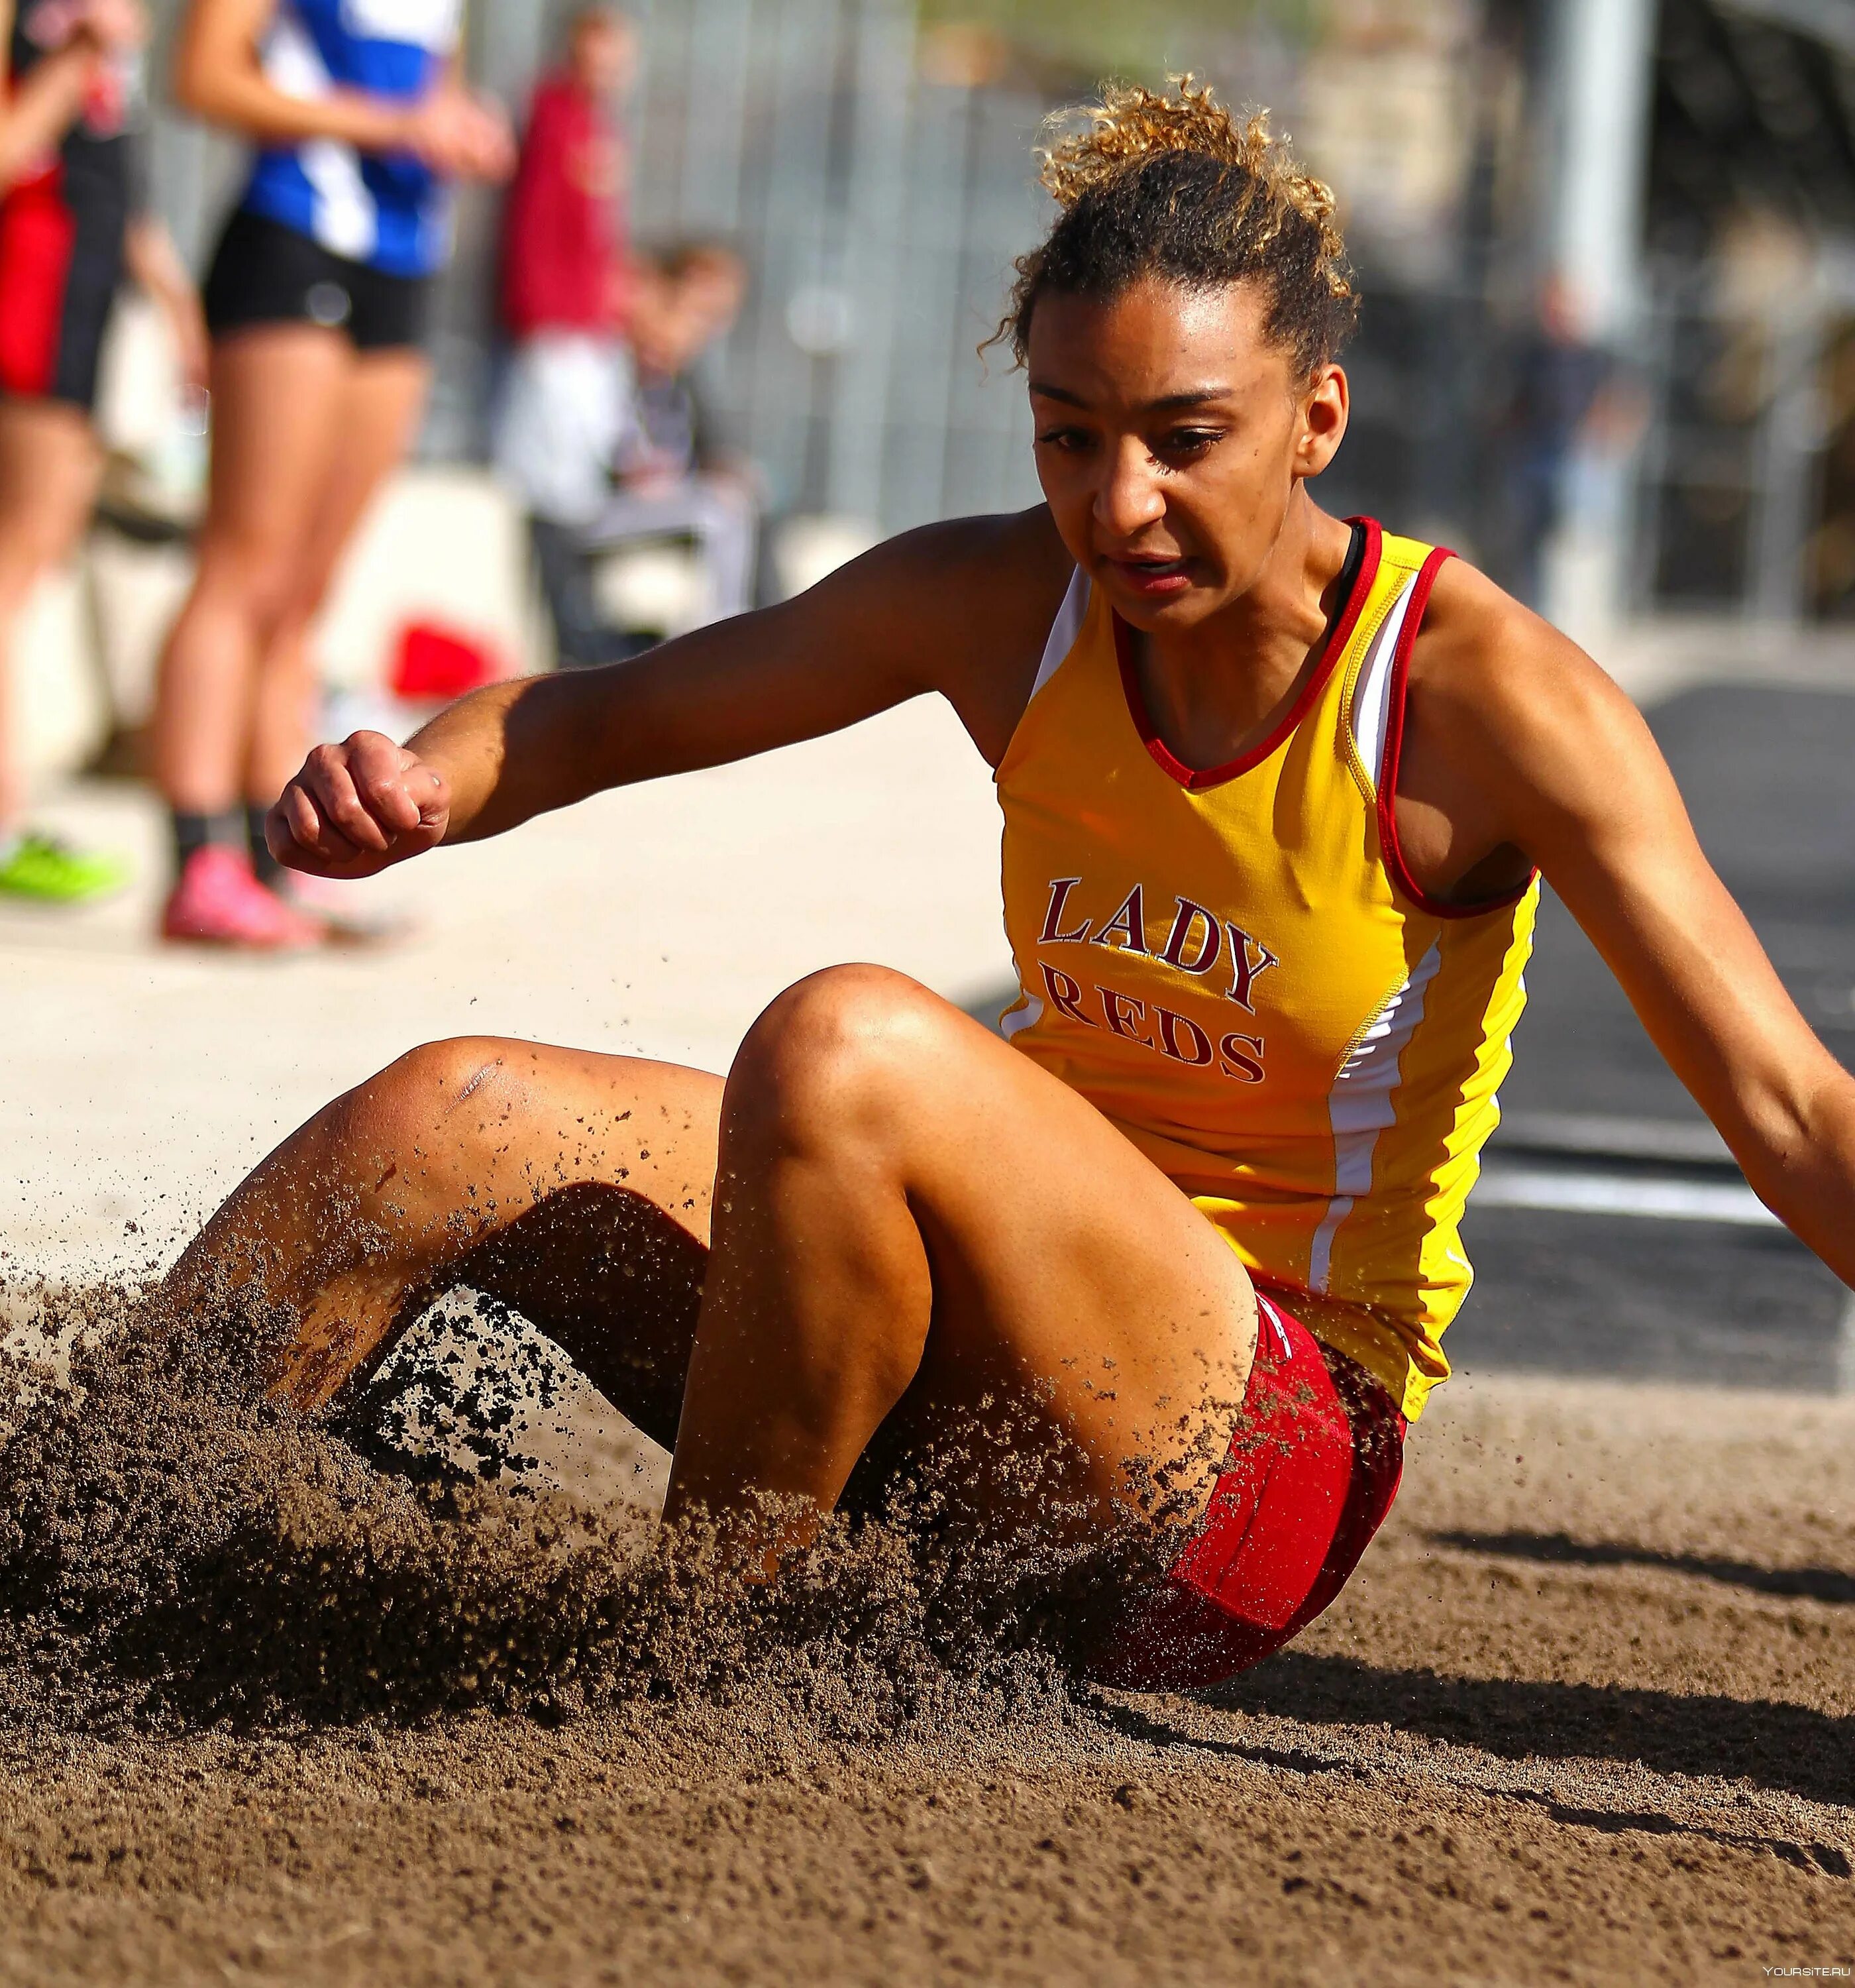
(880, 209)
(879, 212)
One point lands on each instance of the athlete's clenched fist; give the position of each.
(358, 807)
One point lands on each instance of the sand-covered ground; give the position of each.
(1587, 1711)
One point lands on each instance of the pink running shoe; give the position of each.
(218, 902)
(329, 906)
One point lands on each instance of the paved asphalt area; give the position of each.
(1612, 1233)
(1593, 1116)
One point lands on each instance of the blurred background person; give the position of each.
(316, 302)
(567, 291)
(676, 476)
(69, 224)
(1559, 378)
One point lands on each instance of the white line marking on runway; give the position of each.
(1503, 1186)
(1598, 1134)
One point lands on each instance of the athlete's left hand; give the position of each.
(462, 135)
(357, 808)
(117, 27)
(491, 152)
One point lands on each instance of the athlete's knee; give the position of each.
(846, 1020)
(33, 547)
(308, 592)
(23, 566)
(437, 1078)
(253, 577)
(409, 1100)
(843, 1049)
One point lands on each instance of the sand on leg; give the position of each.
(915, 1229)
(575, 1186)
(918, 1229)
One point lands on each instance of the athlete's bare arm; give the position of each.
(36, 112)
(1519, 747)
(961, 608)
(217, 76)
(155, 263)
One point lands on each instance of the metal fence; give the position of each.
(879, 211)
(882, 211)
(1740, 506)
(879, 207)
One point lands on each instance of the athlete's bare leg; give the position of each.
(913, 1227)
(49, 465)
(277, 394)
(916, 1227)
(377, 417)
(577, 1186)
(304, 432)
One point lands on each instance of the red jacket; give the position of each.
(563, 234)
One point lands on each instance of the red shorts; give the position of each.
(1310, 1474)
(61, 258)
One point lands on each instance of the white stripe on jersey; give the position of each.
(425, 24)
(346, 221)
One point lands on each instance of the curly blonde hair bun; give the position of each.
(1171, 184)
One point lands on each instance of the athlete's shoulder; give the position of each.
(1512, 704)
(1479, 650)
(1012, 556)
(971, 600)
(980, 589)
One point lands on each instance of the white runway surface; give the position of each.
(142, 1081)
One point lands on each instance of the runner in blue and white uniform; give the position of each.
(387, 211)
(316, 301)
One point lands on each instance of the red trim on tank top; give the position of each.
(1339, 632)
(1389, 846)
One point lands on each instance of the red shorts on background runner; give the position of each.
(61, 259)
(1310, 1475)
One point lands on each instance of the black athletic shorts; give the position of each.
(265, 273)
(61, 258)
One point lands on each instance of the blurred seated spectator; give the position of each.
(565, 296)
(674, 476)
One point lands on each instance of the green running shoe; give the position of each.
(44, 868)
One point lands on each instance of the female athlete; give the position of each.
(1277, 792)
(69, 228)
(316, 302)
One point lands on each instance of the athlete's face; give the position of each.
(1171, 436)
(603, 52)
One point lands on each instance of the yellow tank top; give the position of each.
(1236, 968)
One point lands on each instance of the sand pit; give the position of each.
(1588, 1709)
